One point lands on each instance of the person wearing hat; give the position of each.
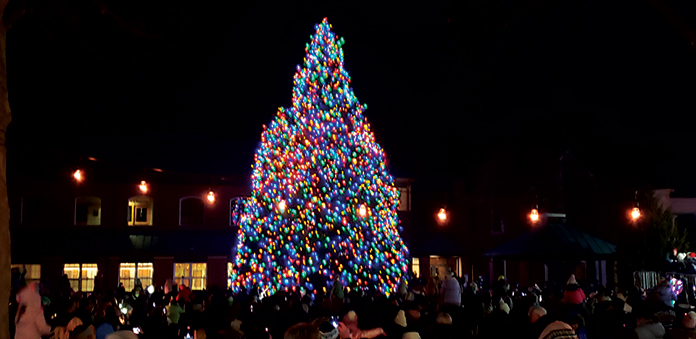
(450, 289)
(573, 294)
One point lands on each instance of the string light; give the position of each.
(143, 187)
(78, 176)
(322, 200)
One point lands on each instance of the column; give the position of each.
(163, 269)
(217, 272)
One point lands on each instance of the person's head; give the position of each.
(689, 320)
(343, 330)
(535, 313)
(302, 331)
(444, 319)
(15, 270)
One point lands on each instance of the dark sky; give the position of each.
(453, 87)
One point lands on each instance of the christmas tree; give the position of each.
(322, 201)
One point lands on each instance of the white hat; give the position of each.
(401, 318)
(411, 335)
(571, 280)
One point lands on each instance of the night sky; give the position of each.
(494, 89)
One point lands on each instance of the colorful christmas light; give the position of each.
(322, 199)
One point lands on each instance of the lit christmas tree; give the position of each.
(322, 201)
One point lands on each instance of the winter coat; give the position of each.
(573, 295)
(451, 292)
(30, 322)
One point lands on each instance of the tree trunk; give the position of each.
(5, 253)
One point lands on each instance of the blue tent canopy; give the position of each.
(553, 241)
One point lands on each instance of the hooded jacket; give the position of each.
(30, 322)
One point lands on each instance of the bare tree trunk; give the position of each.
(5, 117)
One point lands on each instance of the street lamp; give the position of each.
(143, 187)
(442, 215)
(534, 215)
(635, 211)
(78, 175)
(211, 196)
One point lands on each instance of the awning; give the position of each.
(554, 241)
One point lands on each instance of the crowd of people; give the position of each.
(450, 307)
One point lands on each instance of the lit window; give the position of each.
(193, 275)
(404, 199)
(81, 276)
(88, 211)
(191, 211)
(415, 266)
(33, 272)
(140, 211)
(129, 272)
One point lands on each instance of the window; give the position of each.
(140, 211)
(88, 211)
(129, 272)
(33, 272)
(193, 275)
(81, 276)
(191, 211)
(415, 266)
(404, 199)
(33, 209)
(230, 270)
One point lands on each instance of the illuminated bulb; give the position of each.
(78, 175)
(281, 205)
(534, 216)
(143, 187)
(211, 196)
(442, 215)
(151, 289)
(635, 213)
(362, 211)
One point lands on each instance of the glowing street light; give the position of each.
(143, 187)
(211, 196)
(534, 216)
(442, 215)
(635, 213)
(78, 175)
(362, 211)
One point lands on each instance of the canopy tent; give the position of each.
(553, 241)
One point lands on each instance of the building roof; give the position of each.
(554, 240)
